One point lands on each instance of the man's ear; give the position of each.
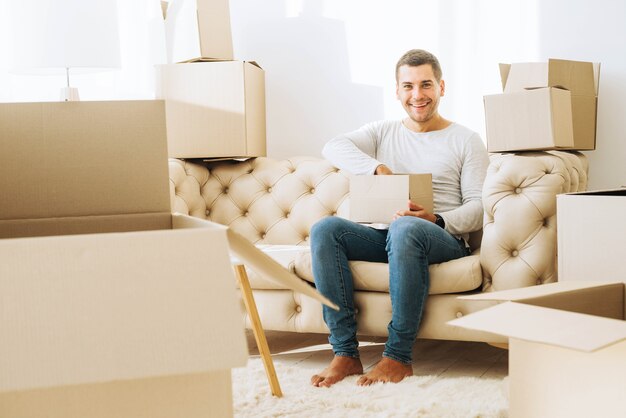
(442, 86)
(397, 91)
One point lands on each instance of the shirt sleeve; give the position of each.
(355, 151)
(469, 216)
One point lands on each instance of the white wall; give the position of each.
(330, 63)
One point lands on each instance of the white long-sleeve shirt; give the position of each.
(455, 156)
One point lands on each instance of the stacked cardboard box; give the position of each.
(215, 106)
(544, 106)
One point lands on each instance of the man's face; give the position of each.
(419, 91)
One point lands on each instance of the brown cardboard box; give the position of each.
(567, 345)
(198, 29)
(590, 228)
(214, 109)
(111, 305)
(376, 199)
(544, 106)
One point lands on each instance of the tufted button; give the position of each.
(287, 214)
(459, 314)
(333, 214)
(225, 190)
(269, 190)
(298, 308)
(305, 238)
(514, 253)
(538, 281)
(250, 171)
(263, 236)
(207, 212)
(312, 190)
(245, 213)
(518, 190)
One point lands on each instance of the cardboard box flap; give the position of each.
(271, 269)
(577, 76)
(57, 161)
(581, 78)
(530, 292)
(600, 299)
(504, 73)
(198, 29)
(98, 312)
(607, 192)
(545, 325)
(523, 75)
(244, 252)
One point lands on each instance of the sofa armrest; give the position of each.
(518, 248)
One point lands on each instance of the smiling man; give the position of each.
(424, 142)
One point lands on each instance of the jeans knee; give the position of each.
(325, 228)
(407, 228)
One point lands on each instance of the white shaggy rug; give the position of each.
(416, 396)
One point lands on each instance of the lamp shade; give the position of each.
(54, 35)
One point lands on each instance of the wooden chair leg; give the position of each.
(257, 329)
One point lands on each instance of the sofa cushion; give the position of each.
(453, 276)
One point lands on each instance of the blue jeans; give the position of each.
(409, 246)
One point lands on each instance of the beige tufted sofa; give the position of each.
(274, 204)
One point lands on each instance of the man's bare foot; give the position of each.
(339, 368)
(387, 370)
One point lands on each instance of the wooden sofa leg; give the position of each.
(257, 329)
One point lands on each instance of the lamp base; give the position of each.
(69, 94)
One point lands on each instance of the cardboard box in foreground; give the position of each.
(567, 346)
(111, 305)
(376, 199)
(590, 228)
(214, 109)
(197, 30)
(544, 106)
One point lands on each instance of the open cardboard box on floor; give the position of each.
(567, 347)
(214, 109)
(375, 199)
(111, 305)
(197, 29)
(544, 106)
(590, 229)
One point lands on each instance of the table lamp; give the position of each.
(65, 36)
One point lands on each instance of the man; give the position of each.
(423, 142)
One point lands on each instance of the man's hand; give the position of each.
(382, 170)
(417, 211)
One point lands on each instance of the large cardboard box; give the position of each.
(376, 199)
(197, 29)
(590, 235)
(214, 109)
(111, 305)
(567, 347)
(544, 106)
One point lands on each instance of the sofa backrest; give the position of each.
(267, 201)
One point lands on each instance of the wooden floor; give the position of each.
(430, 357)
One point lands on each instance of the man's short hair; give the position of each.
(417, 57)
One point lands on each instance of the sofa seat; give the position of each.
(454, 276)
